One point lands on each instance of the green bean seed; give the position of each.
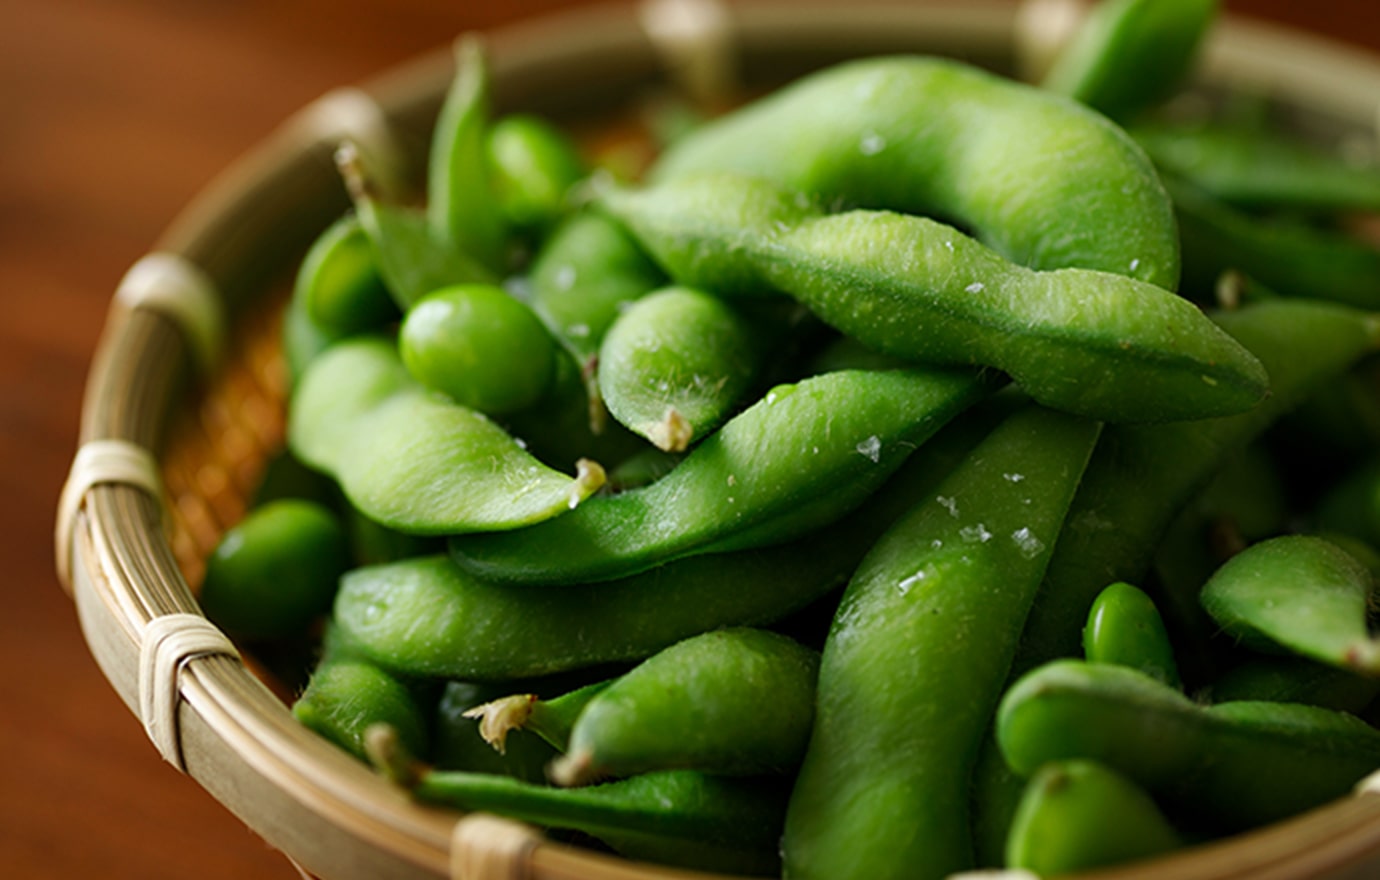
(1300, 594)
(1077, 815)
(480, 347)
(799, 458)
(1092, 343)
(534, 166)
(917, 655)
(1125, 628)
(675, 364)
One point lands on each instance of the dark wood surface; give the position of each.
(115, 114)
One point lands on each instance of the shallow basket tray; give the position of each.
(164, 468)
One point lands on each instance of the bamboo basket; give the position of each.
(166, 464)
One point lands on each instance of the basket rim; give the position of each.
(123, 573)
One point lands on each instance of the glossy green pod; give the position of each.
(480, 347)
(799, 458)
(276, 571)
(735, 701)
(463, 207)
(1079, 815)
(1231, 766)
(1130, 55)
(427, 617)
(680, 816)
(675, 364)
(1125, 628)
(915, 661)
(1042, 180)
(1300, 594)
(1093, 343)
(416, 463)
(339, 283)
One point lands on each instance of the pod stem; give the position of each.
(390, 757)
(589, 478)
(673, 433)
(498, 717)
(573, 769)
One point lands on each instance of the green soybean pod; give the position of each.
(428, 617)
(675, 364)
(1042, 180)
(534, 166)
(276, 571)
(1292, 259)
(679, 816)
(415, 463)
(1300, 594)
(799, 458)
(1295, 680)
(917, 655)
(1232, 766)
(410, 257)
(1129, 55)
(339, 284)
(1093, 343)
(1077, 815)
(347, 694)
(480, 347)
(1139, 478)
(303, 338)
(463, 208)
(735, 701)
(1125, 628)
(1253, 168)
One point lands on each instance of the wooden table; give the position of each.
(115, 115)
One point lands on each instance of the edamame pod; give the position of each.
(718, 823)
(427, 617)
(675, 364)
(1233, 765)
(1043, 181)
(534, 166)
(917, 655)
(1131, 54)
(339, 284)
(463, 209)
(1254, 168)
(416, 463)
(1125, 628)
(347, 694)
(1297, 593)
(1076, 815)
(1092, 343)
(801, 457)
(734, 702)
(412, 260)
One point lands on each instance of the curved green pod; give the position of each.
(1130, 55)
(675, 364)
(1042, 180)
(1089, 342)
(799, 458)
(1300, 594)
(413, 462)
(427, 617)
(734, 701)
(1077, 815)
(1233, 765)
(339, 284)
(463, 207)
(1248, 167)
(1292, 259)
(1125, 628)
(917, 656)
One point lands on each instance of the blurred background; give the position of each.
(116, 112)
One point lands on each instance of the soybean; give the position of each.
(1125, 628)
